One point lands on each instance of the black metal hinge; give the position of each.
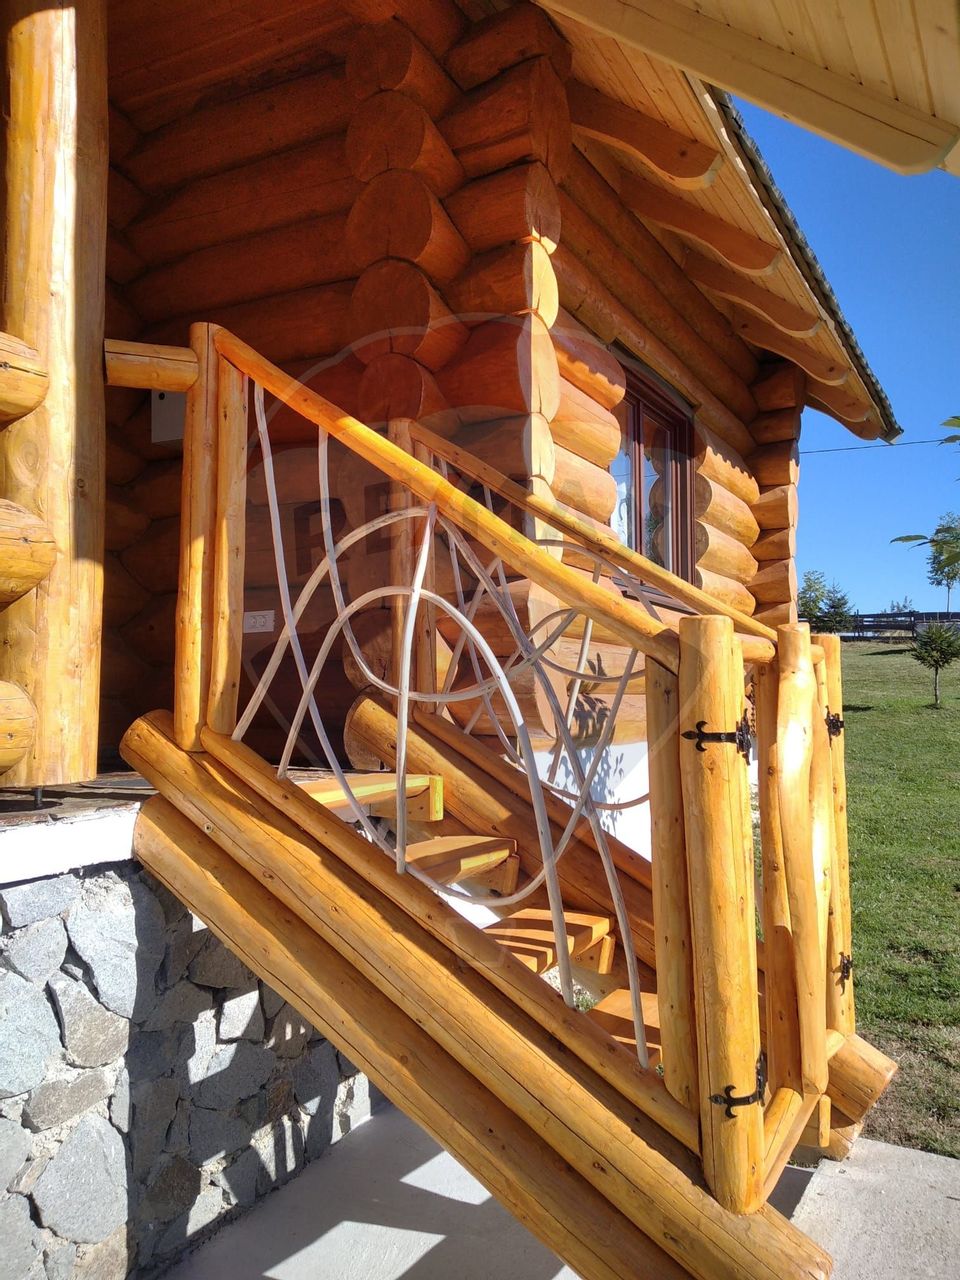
(729, 1099)
(739, 737)
(846, 970)
(834, 723)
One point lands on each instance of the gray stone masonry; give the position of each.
(150, 1086)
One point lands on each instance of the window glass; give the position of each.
(654, 475)
(623, 520)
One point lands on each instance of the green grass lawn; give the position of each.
(903, 779)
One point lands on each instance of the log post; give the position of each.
(780, 990)
(797, 693)
(821, 806)
(841, 1009)
(671, 898)
(228, 555)
(720, 869)
(195, 619)
(52, 460)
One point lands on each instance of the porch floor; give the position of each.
(387, 1203)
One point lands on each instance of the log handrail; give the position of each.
(594, 538)
(625, 619)
(132, 364)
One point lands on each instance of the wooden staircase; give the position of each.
(584, 1146)
(625, 1170)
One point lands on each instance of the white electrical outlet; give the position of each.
(258, 623)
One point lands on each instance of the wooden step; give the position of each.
(614, 1013)
(377, 794)
(528, 934)
(450, 859)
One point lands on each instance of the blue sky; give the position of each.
(890, 247)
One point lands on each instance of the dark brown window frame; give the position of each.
(648, 401)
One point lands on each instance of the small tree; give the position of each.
(900, 606)
(942, 562)
(812, 594)
(835, 613)
(936, 647)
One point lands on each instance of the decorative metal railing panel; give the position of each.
(476, 677)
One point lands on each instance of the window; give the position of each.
(654, 474)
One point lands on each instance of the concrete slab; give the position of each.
(387, 1203)
(886, 1213)
(384, 1203)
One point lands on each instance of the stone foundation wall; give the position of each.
(150, 1086)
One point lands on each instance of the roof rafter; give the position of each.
(782, 313)
(769, 338)
(738, 248)
(680, 160)
(842, 403)
(881, 127)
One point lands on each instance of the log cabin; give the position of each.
(404, 397)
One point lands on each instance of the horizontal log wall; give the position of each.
(236, 213)
(780, 393)
(414, 217)
(624, 287)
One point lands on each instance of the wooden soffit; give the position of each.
(882, 79)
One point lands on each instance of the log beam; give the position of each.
(388, 56)
(18, 724)
(597, 197)
(395, 308)
(392, 131)
(520, 115)
(730, 284)
(516, 204)
(23, 378)
(393, 1050)
(765, 335)
(149, 366)
(277, 261)
(737, 248)
(502, 40)
(396, 215)
(214, 139)
(678, 159)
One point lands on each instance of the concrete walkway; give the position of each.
(387, 1203)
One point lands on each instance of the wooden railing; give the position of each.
(746, 1041)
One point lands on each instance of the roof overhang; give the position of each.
(882, 80)
(677, 152)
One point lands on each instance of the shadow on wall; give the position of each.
(150, 1086)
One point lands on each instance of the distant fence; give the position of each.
(892, 626)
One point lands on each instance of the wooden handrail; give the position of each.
(626, 620)
(596, 539)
